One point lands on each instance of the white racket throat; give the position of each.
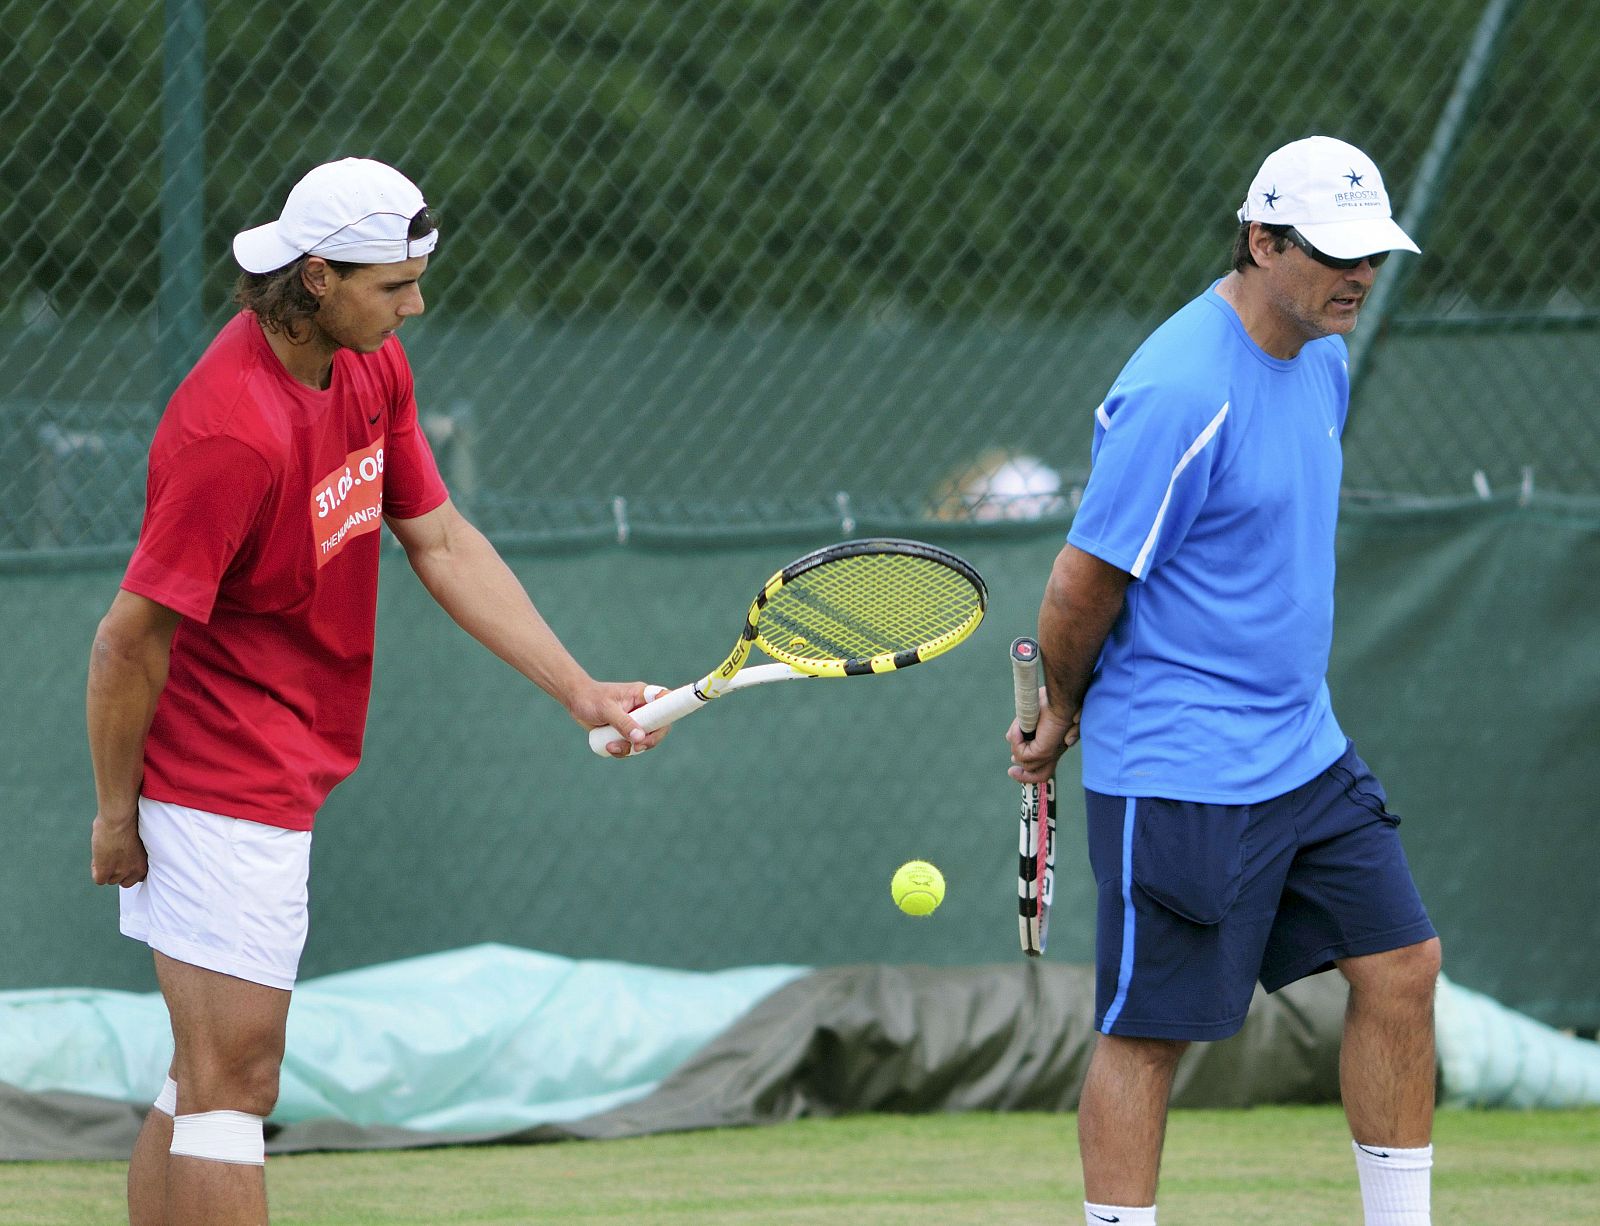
(669, 706)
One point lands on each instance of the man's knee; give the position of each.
(1428, 959)
(248, 1084)
(1160, 1055)
(1406, 973)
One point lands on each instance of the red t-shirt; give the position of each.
(261, 528)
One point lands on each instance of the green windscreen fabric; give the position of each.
(1466, 667)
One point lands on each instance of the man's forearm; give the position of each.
(472, 583)
(125, 684)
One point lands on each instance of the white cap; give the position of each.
(1329, 191)
(355, 210)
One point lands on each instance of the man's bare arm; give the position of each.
(127, 672)
(464, 572)
(1082, 600)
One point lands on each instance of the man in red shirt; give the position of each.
(228, 683)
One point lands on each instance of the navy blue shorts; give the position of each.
(1199, 901)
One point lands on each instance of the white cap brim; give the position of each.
(262, 249)
(1350, 240)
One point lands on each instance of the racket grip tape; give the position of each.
(662, 707)
(1025, 680)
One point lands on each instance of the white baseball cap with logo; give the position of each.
(355, 210)
(1331, 193)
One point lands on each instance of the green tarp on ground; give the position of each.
(500, 1044)
(475, 1042)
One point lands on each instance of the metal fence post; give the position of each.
(178, 301)
(1437, 162)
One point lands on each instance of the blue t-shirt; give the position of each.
(1215, 484)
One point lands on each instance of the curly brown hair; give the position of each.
(280, 299)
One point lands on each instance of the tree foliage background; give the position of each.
(853, 249)
(832, 156)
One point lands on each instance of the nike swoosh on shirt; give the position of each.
(373, 420)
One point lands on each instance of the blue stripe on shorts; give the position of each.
(1125, 971)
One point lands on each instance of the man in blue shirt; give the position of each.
(1234, 834)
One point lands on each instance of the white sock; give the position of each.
(1394, 1184)
(1143, 1216)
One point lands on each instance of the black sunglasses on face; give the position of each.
(1376, 259)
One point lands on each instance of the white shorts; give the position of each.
(222, 893)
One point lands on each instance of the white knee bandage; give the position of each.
(167, 1100)
(220, 1136)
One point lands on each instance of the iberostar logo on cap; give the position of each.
(1329, 191)
(355, 210)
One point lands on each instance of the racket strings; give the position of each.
(868, 605)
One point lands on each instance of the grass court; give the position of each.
(1262, 1167)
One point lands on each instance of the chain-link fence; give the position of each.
(746, 262)
(728, 268)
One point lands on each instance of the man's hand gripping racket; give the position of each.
(851, 610)
(1036, 869)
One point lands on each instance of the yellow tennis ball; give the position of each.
(917, 887)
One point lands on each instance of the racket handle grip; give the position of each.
(1025, 682)
(663, 707)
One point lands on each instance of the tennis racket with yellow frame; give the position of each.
(856, 609)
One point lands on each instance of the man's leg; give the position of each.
(228, 1036)
(147, 1172)
(1122, 1117)
(1386, 1062)
(1386, 1077)
(1180, 913)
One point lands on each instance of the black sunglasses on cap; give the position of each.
(1333, 261)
